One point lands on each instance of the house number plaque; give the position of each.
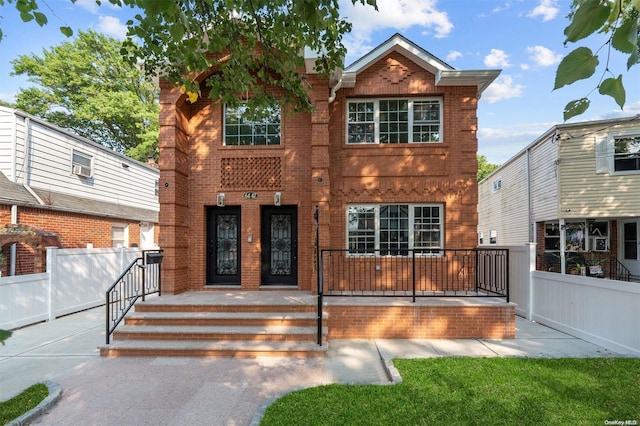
(250, 195)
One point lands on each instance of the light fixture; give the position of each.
(220, 200)
(277, 197)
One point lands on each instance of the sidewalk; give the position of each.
(220, 391)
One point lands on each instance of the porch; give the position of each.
(286, 323)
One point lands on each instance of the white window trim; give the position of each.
(410, 230)
(125, 226)
(78, 169)
(376, 120)
(224, 131)
(605, 153)
(496, 185)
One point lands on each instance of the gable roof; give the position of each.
(445, 74)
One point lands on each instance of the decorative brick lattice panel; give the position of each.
(251, 173)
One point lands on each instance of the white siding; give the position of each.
(585, 193)
(505, 210)
(49, 167)
(544, 181)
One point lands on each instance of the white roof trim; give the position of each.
(445, 74)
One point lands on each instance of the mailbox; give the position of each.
(154, 258)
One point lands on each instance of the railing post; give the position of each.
(107, 305)
(476, 267)
(507, 272)
(144, 276)
(413, 273)
(316, 217)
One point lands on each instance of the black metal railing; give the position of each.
(142, 277)
(595, 265)
(414, 273)
(617, 271)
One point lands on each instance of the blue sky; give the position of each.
(524, 38)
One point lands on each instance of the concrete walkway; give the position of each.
(220, 391)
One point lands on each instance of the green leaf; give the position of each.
(576, 107)
(614, 88)
(4, 335)
(625, 37)
(67, 31)
(589, 17)
(577, 65)
(26, 17)
(41, 18)
(634, 59)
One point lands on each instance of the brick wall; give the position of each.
(316, 167)
(74, 230)
(421, 322)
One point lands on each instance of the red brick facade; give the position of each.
(73, 230)
(312, 166)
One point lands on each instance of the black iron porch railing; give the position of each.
(141, 278)
(415, 273)
(411, 273)
(617, 271)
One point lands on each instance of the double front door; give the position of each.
(278, 242)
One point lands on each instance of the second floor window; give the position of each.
(392, 121)
(627, 153)
(240, 130)
(81, 164)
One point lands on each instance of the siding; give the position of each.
(49, 163)
(544, 181)
(585, 193)
(506, 209)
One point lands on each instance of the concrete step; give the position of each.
(226, 307)
(248, 333)
(224, 318)
(196, 348)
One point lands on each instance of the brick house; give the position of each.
(59, 189)
(390, 147)
(387, 159)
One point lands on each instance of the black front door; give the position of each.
(223, 245)
(279, 245)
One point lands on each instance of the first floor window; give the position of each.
(394, 228)
(119, 235)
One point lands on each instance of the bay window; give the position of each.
(392, 121)
(395, 228)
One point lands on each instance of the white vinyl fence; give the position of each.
(76, 279)
(601, 311)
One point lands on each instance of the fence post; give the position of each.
(52, 263)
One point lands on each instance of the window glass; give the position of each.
(627, 153)
(394, 228)
(362, 231)
(240, 130)
(392, 121)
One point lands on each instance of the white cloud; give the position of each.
(547, 9)
(525, 67)
(89, 5)
(453, 55)
(398, 15)
(503, 88)
(542, 56)
(112, 26)
(497, 59)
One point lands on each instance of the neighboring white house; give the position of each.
(55, 182)
(575, 189)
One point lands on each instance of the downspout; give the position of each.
(14, 148)
(14, 221)
(334, 89)
(529, 218)
(27, 161)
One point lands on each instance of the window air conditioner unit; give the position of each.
(81, 170)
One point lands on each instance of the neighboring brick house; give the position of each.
(388, 155)
(59, 189)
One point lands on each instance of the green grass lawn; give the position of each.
(476, 391)
(13, 408)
